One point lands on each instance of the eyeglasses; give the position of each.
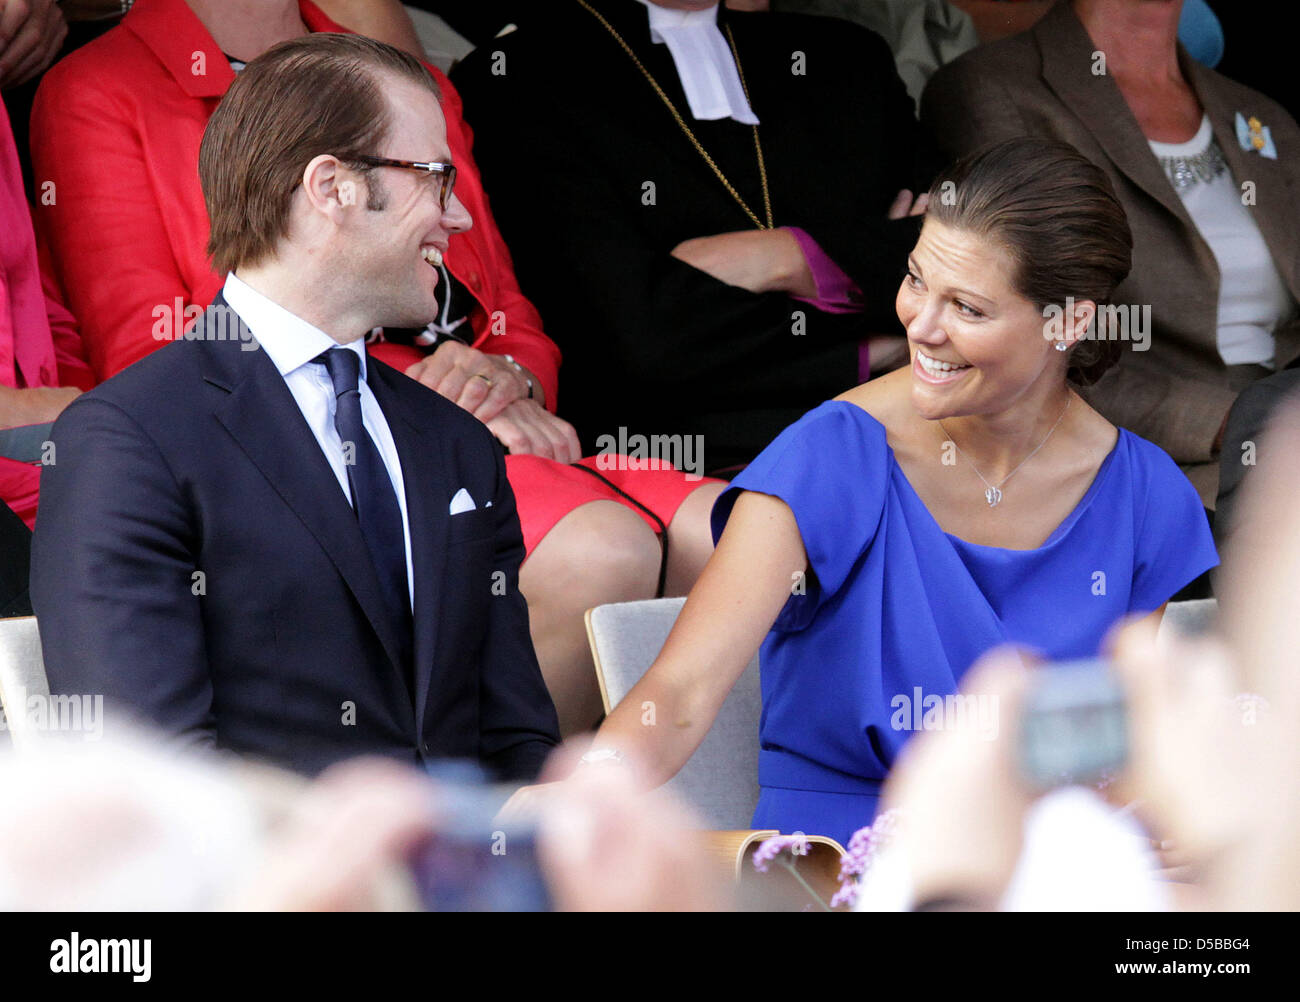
(446, 173)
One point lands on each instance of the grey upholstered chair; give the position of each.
(22, 672)
(1192, 617)
(721, 779)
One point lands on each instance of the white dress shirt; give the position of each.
(291, 343)
(704, 62)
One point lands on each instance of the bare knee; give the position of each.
(599, 552)
(690, 538)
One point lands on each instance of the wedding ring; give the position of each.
(479, 375)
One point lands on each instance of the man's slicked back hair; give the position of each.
(322, 93)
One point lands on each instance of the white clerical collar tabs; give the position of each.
(704, 62)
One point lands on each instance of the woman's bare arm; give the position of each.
(728, 613)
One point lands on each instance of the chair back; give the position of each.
(720, 781)
(1189, 618)
(22, 674)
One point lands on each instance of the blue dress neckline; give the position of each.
(1057, 534)
(895, 610)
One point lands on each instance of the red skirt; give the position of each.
(546, 491)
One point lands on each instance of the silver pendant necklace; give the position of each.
(993, 492)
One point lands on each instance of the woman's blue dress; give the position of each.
(895, 610)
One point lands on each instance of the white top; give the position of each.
(1078, 854)
(291, 343)
(1253, 298)
(704, 62)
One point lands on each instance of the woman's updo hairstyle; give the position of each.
(1056, 213)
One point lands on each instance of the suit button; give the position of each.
(474, 280)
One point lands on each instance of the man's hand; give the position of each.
(34, 405)
(904, 205)
(483, 384)
(756, 260)
(528, 429)
(31, 34)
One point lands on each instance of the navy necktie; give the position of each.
(373, 499)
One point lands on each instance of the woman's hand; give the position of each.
(528, 429)
(527, 801)
(31, 34)
(481, 383)
(756, 260)
(606, 846)
(904, 205)
(34, 405)
(887, 352)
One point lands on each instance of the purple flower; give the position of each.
(770, 848)
(861, 853)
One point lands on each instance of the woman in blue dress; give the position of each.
(890, 537)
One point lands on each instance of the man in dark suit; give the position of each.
(258, 537)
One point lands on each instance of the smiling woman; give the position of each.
(1022, 244)
(876, 546)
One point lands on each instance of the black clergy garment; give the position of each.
(593, 184)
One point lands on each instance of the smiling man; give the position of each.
(297, 552)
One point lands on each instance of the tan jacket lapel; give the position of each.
(1067, 54)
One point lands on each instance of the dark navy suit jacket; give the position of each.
(196, 561)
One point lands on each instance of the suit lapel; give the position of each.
(1067, 55)
(260, 413)
(427, 491)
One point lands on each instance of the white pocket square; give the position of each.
(461, 502)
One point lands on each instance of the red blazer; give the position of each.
(116, 127)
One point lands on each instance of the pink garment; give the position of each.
(836, 291)
(26, 346)
(30, 321)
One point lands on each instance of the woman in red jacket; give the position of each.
(117, 127)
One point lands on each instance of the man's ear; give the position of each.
(1076, 326)
(329, 186)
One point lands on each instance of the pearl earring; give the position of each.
(1062, 346)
